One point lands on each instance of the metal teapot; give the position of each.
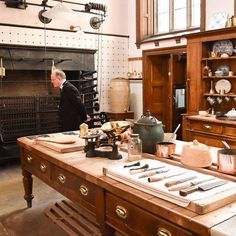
(150, 131)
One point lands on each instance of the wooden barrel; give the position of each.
(119, 95)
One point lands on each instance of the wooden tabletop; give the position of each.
(218, 222)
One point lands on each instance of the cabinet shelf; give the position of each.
(219, 95)
(219, 77)
(218, 58)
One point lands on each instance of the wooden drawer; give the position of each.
(36, 165)
(75, 188)
(230, 131)
(205, 127)
(132, 220)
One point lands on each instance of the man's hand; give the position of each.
(88, 118)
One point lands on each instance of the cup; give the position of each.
(219, 100)
(231, 73)
(211, 100)
(165, 149)
(169, 137)
(227, 99)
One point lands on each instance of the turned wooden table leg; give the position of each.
(28, 184)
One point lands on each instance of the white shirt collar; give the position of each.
(62, 82)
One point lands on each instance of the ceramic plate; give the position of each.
(223, 46)
(224, 69)
(223, 85)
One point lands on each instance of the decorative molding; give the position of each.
(135, 58)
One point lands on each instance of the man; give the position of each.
(72, 111)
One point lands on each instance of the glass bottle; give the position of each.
(134, 148)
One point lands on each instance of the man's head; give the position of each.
(57, 78)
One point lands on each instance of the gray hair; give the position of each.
(59, 73)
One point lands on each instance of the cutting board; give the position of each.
(78, 145)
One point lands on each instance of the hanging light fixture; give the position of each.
(59, 11)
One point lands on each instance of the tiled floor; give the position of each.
(15, 218)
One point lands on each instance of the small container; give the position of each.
(169, 137)
(83, 129)
(134, 148)
(226, 160)
(165, 149)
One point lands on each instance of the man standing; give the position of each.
(72, 111)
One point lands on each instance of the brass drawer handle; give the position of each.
(121, 212)
(43, 167)
(207, 126)
(29, 158)
(62, 178)
(163, 232)
(83, 190)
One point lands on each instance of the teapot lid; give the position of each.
(148, 119)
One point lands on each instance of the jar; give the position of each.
(134, 148)
(150, 130)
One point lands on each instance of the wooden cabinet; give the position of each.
(209, 130)
(78, 189)
(36, 165)
(133, 220)
(211, 85)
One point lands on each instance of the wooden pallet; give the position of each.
(72, 219)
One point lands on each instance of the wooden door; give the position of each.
(155, 86)
(164, 72)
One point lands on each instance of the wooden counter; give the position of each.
(116, 206)
(209, 130)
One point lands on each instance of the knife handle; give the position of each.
(186, 191)
(171, 183)
(155, 179)
(148, 174)
(179, 186)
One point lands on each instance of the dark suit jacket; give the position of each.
(72, 111)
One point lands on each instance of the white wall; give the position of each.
(112, 57)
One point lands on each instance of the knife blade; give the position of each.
(136, 171)
(175, 182)
(189, 184)
(153, 173)
(202, 187)
(159, 178)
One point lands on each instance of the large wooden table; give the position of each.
(116, 206)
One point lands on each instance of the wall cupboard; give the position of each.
(211, 86)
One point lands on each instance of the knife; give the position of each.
(153, 173)
(175, 182)
(159, 178)
(144, 169)
(187, 185)
(131, 165)
(202, 187)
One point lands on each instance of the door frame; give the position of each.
(147, 69)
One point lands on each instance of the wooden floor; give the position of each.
(15, 218)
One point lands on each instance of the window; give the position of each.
(162, 17)
(176, 15)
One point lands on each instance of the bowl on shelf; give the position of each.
(203, 113)
(219, 73)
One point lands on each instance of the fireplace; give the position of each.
(28, 102)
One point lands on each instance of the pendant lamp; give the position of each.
(59, 11)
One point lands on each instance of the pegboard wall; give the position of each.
(111, 58)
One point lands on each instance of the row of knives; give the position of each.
(185, 185)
